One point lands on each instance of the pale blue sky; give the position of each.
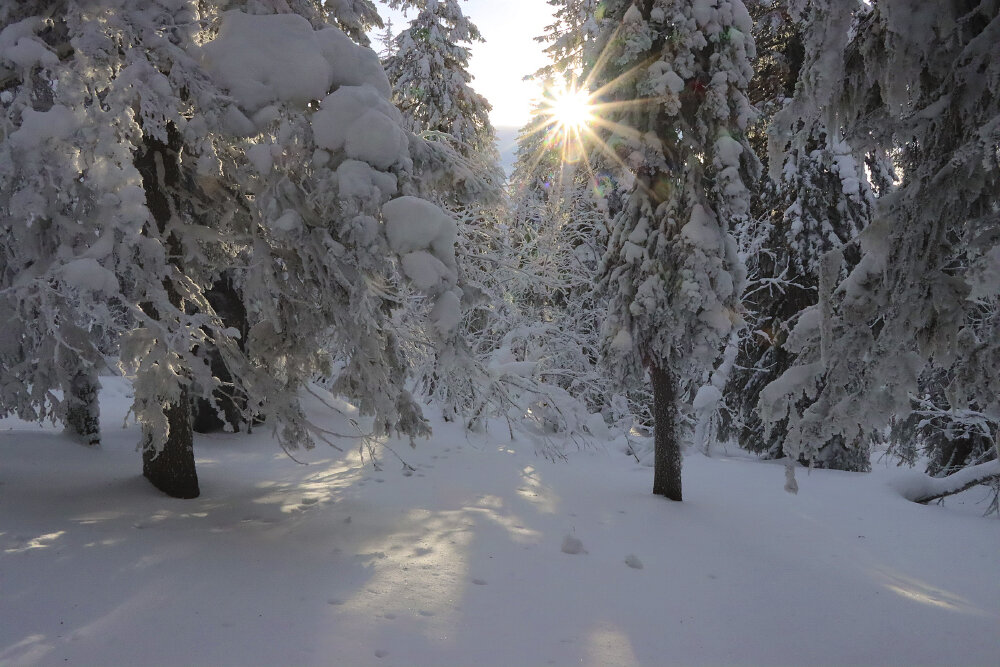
(510, 53)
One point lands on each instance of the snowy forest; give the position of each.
(750, 244)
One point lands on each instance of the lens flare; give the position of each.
(566, 116)
(577, 129)
(572, 110)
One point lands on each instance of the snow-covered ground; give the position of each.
(464, 562)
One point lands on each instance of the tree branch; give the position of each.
(928, 489)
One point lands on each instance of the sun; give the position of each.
(566, 116)
(572, 109)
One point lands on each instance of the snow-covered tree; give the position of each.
(110, 113)
(194, 149)
(52, 300)
(922, 83)
(816, 198)
(681, 71)
(576, 25)
(322, 177)
(387, 37)
(354, 17)
(459, 168)
(431, 84)
(559, 219)
(560, 240)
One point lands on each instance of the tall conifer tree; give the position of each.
(680, 71)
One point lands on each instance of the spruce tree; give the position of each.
(680, 73)
(54, 292)
(175, 152)
(814, 199)
(431, 84)
(921, 85)
(459, 166)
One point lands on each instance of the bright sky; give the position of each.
(510, 53)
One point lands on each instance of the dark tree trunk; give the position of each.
(953, 453)
(667, 458)
(172, 469)
(228, 305)
(83, 418)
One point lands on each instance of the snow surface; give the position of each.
(462, 562)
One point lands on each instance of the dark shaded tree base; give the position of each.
(172, 469)
(227, 302)
(667, 456)
(206, 417)
(82, 418)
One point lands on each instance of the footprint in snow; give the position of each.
(389, 616)
(424, 612)
(572, 545)
(479, 582)
(381, 653)
(633, 562)
(335, 601)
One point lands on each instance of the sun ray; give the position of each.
(578, 124)
(602, 59)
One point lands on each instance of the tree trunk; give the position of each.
(667, 459)
(83, 417)
(227, 303)
(172, 469)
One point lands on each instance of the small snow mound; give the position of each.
(362, 122)
(87, 274)
(572, 545)
(21, 46)
(633, 562)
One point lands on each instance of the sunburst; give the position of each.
(565, 117)
(577, 120)
(571, 109)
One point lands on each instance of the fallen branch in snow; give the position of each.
(926, 489)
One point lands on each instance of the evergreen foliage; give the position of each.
(170, 167)
(919, 84)
(672, 268)
(815, 198)
(430, 79)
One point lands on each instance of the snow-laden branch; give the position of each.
(924, 489)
